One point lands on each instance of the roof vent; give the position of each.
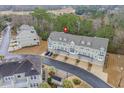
(32, 68)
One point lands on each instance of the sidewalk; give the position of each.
(98, 71)
(83, 65)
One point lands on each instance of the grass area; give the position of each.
(33, 50)
(114, 63)
(81, 85)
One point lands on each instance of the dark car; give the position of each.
(50, 54)
(47, 53)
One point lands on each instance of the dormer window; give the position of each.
(82, 42)
(64, 39)
(19, 76)
(88, 43)
(60, 38)
(72, 42)
(32, 31)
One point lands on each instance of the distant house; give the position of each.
(22, 74)
(62, 11)
(89, 49)
(27, 36)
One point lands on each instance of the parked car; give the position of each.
(47, 53)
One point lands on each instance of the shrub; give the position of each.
(76, 81)
(44, 35)
(45, 85)
(51, 70)
(66, 57)
(77, 61)
(49, 80)
(67, 84)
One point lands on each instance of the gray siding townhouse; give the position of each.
(89, 49)
(27, 36)
(21, 74)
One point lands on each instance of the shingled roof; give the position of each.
(25, 66)
(95, 42)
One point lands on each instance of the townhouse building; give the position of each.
(26, 36)
(21, 74)
(89, 49)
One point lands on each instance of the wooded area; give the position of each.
(100, 24)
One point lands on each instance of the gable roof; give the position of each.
(95, 42)
(25, 66)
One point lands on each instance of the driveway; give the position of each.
(81, 73)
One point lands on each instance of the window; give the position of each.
(33, 77)
(7, 78)
(32, 31)
(34, 85)
(31, 85)
(19, 76)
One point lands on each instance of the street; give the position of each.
(81, 73)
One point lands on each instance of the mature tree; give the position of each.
(86, 28)
(7, 18)
(1, 26)
(43, 22)
(117, 20)
(3, 20)
(68, 20)
(89, 10)
(41, 16)
(105, 32)
(81, 9)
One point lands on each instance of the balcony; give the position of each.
(17, 84)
